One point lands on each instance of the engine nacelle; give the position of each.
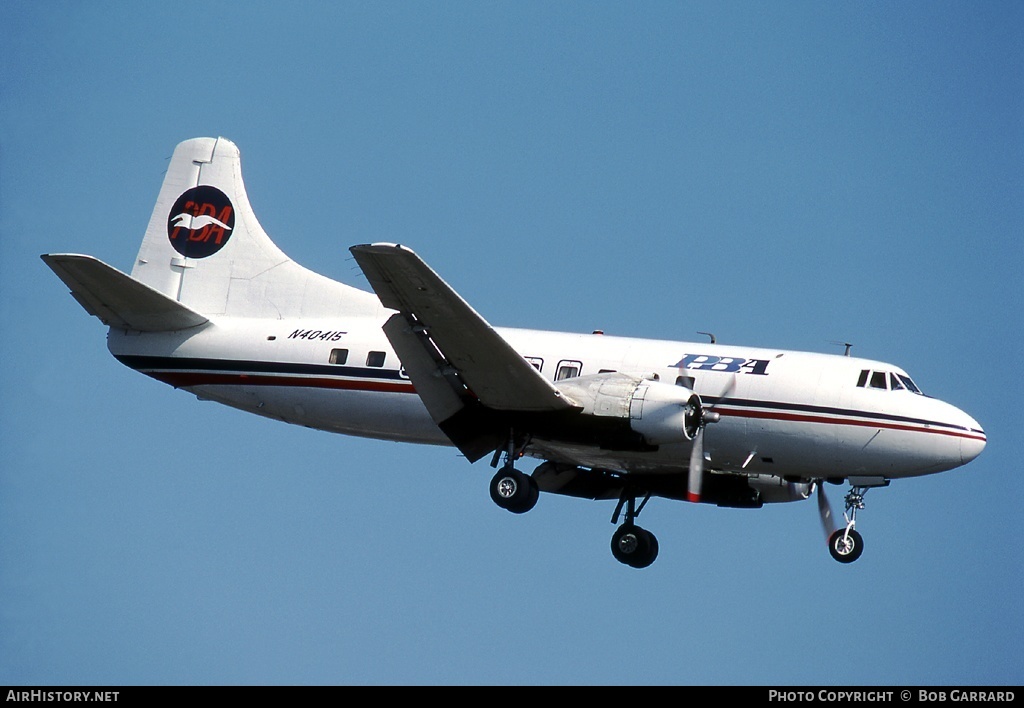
(664, 414)
(661, 413)
(774, 489)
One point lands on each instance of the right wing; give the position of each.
(464, 371)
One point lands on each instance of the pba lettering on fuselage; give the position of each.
(724, 364)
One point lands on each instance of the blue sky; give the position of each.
(782, 174)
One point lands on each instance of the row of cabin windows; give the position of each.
(374, 359)
(570, 369)
(567, 369)
(882, 380)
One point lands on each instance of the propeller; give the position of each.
(825, 511)
(698, 416)
(696, 466)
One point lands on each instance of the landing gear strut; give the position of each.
(632, 545)
(845, 544)
(511, 489)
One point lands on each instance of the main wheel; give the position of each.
(652, 551)
(845, 546)
(634, 546)
(514, 491)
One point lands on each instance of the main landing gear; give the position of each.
(845, 544)
(514, 490)
(632, 545)
(511, 489)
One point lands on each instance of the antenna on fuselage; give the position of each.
(713, 340)
(848, 346)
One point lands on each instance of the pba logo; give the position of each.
(200, 222)
(728, 364)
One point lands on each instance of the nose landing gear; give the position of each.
(845, 544)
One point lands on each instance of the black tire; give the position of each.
(514, 491)
(534, 492)
(634, 546)
(845, 546)
(625, 543)
(650, 551)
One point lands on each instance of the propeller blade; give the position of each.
(696, 466)
(726, 392)
(825, 511)
(705, 415)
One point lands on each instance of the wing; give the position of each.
(465, 372)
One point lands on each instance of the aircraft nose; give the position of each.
(973, 442)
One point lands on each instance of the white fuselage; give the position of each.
(782, 413)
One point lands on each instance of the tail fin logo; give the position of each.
(200, 222)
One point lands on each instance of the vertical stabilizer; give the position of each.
(205, 248)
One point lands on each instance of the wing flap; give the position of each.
(424, 367)
(117, 299)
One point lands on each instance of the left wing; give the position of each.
(461, 367)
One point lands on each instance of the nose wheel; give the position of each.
(845, 544)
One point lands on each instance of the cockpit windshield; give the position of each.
(887, 381)
(910, 384)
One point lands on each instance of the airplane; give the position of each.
(214, 307)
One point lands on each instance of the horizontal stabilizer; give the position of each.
(117, 299)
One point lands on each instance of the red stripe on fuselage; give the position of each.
(182, 379)
(804, 418)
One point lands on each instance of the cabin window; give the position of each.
(535, 362)
(376, 359)
(685, 381)
(878, 380)
(568, 370)
(339, 356)
(606, 371)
